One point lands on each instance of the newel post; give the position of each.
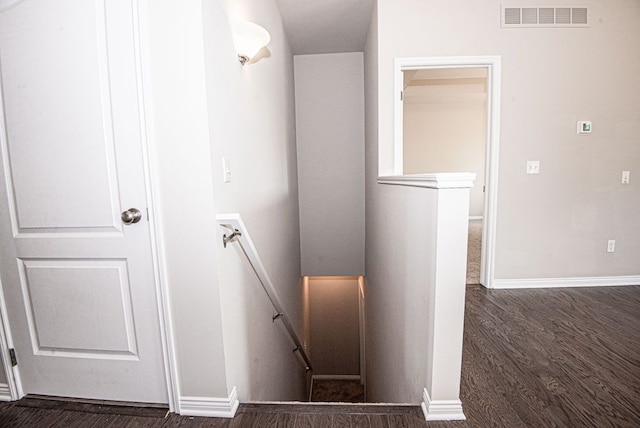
(441, 397)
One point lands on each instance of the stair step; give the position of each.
(330, 408)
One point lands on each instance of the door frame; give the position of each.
(15, 390)
(493, 64)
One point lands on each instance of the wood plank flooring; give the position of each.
(531, 358)
(552, 357)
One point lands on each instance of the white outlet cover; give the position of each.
(625, 177)
(533, 167)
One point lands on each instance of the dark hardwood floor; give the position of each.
(532, 358)
(552, 357)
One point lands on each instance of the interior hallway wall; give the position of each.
(555, 224)
(330, 143)
(180, 153)
(252, 122)
(400, 226)
(334, 326)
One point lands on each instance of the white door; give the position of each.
(78, 283)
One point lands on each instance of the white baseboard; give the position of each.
(596, 281)
(441, 410)
(335, 377)
(5, 392)
(210, 406)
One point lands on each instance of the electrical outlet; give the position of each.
(533, 167)
(611, 245)
(625, 177)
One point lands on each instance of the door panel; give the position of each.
(79, 308)
(79, 285)
(59, 116)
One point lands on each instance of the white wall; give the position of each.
(180, 153)
(251, 118)
(556, 224)
(334, 326)
(445, 131)
(330, 141)
(396, 297)
(205, 105)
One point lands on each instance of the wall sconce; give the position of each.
(249, 38)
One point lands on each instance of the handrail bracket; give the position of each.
(226, 239)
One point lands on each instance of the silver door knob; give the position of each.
(130, 216)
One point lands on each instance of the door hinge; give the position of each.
(401, 95)
(483, 189)
(14, 359)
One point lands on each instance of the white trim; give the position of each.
(6, 341)
(335, 377)
(5, 392)
(12, 374)
(492, 154)
(476, 217)
(595, 281)
(446, 180)
(210, 406)
(362, 333)
(441, 410)
(151, 188)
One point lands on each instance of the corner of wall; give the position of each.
(179, 152)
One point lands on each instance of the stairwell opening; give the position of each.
(333, 337)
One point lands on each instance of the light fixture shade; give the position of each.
(249, 38)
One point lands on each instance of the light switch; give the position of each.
(226, 170)
(533, 167)
(625, 177)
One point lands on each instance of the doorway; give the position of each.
(467, 88)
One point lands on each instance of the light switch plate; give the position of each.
(226, 170)
(611, 246)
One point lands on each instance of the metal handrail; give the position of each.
(239, 233)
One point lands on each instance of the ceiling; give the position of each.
(326, 26)
(471, 76)
(439, 85)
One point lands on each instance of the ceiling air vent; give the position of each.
(544, 16)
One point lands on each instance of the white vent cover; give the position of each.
(544, 16)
